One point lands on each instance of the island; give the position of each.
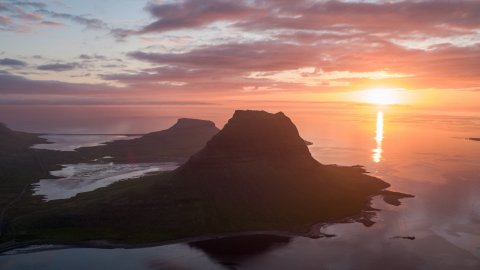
(256, 174)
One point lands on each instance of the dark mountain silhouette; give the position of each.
(20, 166)
(176, 143)
(256, 174)
(259, 168)
(14, 140)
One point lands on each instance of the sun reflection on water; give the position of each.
(377, 152)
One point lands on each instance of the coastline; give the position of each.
(313, 232)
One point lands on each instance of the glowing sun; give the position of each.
(383, 96)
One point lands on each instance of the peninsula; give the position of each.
(256, 174)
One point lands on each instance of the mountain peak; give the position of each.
(257, 135)
(192, 123)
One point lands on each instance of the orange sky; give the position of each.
(190, 52)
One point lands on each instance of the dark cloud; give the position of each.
(21, 16)
(395, 18)
(58, 66)
(12, 62)
(37, 5)
(17, 90)
(192, 13)
(78, 100)
(92, 57)
(242, 57)
(13, 84)
(389, 18)
(90, 23)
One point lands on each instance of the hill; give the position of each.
(176, 143)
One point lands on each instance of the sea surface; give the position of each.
(422, 153)
(73, 179)
(72, 142)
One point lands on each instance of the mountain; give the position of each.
(256, 174)
(176, 143)
(20, 165)
(15, 140)
(258, 168)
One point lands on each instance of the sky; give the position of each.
(194, 53)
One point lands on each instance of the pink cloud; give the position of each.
(50, 23)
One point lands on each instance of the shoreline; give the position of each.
(107, 244)
(314, 232)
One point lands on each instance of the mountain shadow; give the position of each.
(234, 250)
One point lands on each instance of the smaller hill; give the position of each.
(11, 140)
(176, 143)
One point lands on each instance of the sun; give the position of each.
(382, 96)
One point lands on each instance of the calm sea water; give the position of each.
(424, 154)
(73, 179)
(72, 142)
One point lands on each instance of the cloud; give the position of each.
(50, 23)
(28, 4)
(388, 18)
(192, 13)
(79, 100)
(243, 57)
(13, 84)
(12, 62)
(329, 60)
(92, 57)
(22, 16)
(89, 23)
(392, 18)
(58, 67)
(18, 90)
(275, 45)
